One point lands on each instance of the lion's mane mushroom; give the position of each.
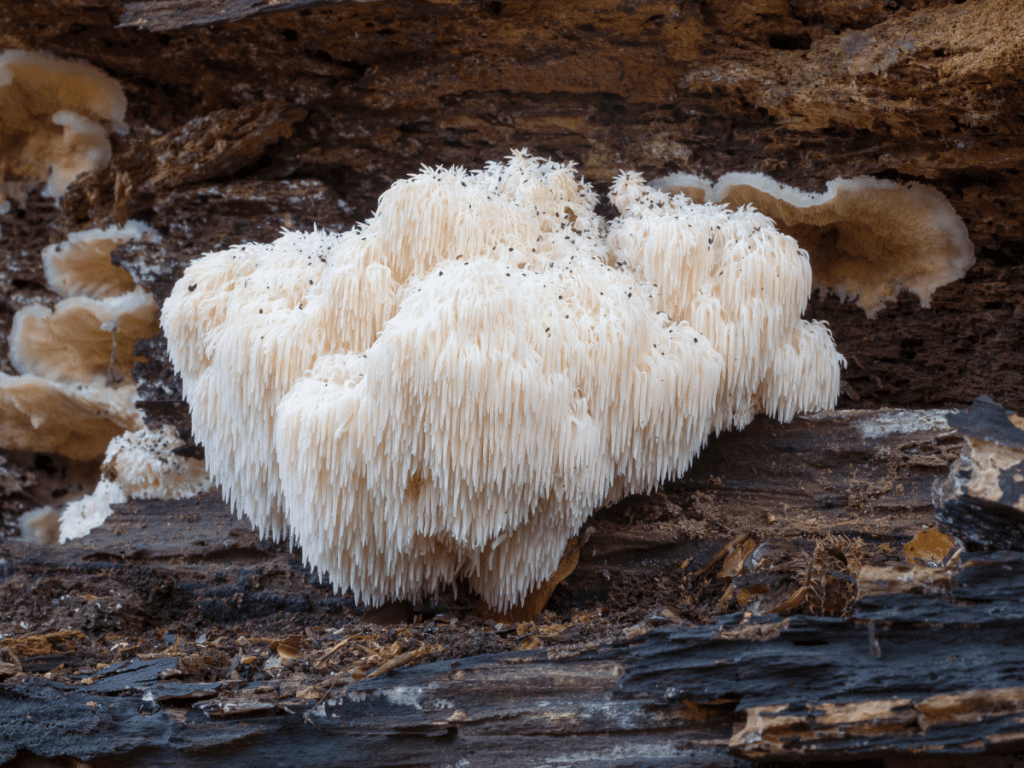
(450, 389)
(740, 283)
(137, 465)
(868, 239)
(58, 115)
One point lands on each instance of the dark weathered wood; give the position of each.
(892, 677)
(805, 92)
(982, 500)
(947, 681)
(250, 116)
(862, 474)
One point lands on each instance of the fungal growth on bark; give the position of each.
(74, 420)
(75, 395)
(81, 265)
(75, 391)
(449, 390)
(57, 117)
(83, 339)
(868, 239)
(136, 465)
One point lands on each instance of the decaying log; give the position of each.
(172, 635)
(856, 473)
(926, 660)
(946, 681)
(982, 500)
(166, 15)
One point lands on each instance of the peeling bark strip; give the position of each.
(982, 500)
(827, 730)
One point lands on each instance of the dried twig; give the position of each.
(322, 659)
(723, 553)
(401, 660)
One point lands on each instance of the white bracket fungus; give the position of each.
(450, 389)
(71, 356)
(58, 114)
(83, 339)
(81, 265)
(867, 238)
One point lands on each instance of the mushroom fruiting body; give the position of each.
(83, 339)
(740, 283)
(868, 239)
(81, 265)
(58, 114)
(74, 420)
(449, 390)
(71, 355)
(136, 465)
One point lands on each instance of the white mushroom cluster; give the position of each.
(74, 395)
(449, 390)
(137, 465)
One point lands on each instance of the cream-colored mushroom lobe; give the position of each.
(83, 339)
(74, 420)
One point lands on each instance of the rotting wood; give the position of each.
(660, 689)
(982, 500)
(948, 681)
(802, 91)
(868, 728)
(167, 15)
(913, 579)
